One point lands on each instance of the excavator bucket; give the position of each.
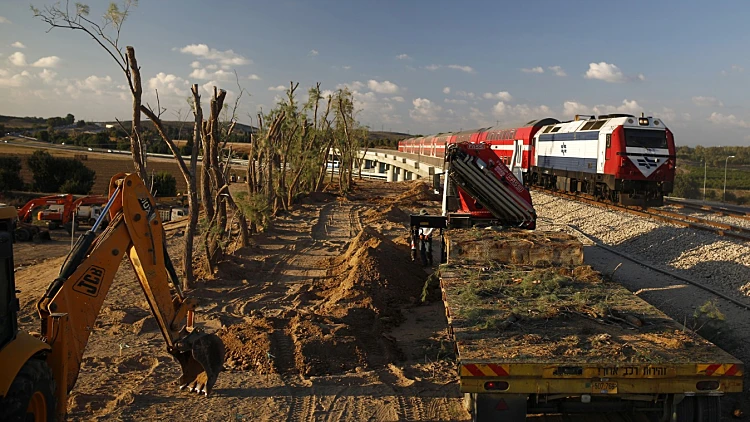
(201, 357)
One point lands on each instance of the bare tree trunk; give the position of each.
(137, 147)
(208, 203)
(192, 198)
(193, 205)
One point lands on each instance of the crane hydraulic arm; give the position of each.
(72, 302)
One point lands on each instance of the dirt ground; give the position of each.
(320, 316)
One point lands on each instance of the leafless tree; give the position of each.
(107, 35)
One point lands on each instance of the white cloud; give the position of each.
(465, 94)
(18, 59)
(313, 53)
(727, 120)
(346, 67)
(502, 95)
(571, 108)
(424, 110)
(94, 83)
(221, 75)
(351, 86)
(50, 61)
(14, 81)
(455, 101)
(707, 102)
(734, 69)
(403, 57)
(609, 73)
(398, 99)
(447, 90)
(537, 69)
(254, 77)
(3, 19)
(47, 75)
(277, 88)
(385, 87)
(226, 58)
(18, 44)
(557, 70)
(467, 69)
(169, 84)
(195, 65)
(501, 109)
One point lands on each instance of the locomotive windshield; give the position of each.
(645, 138)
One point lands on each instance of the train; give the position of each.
(620, 158)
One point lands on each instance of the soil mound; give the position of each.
(363, 295)
(374, 273)
(418, 191)
(248, 346)
(390, 214)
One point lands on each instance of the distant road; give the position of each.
(29, 142)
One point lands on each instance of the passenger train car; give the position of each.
(618, 157)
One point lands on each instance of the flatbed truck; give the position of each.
(537, 332)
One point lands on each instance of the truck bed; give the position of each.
(522, 304)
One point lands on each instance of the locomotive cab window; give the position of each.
(645, 138)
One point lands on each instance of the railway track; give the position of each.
(715, 209)
(722, 229)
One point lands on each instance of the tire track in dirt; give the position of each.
(409, 408)
(282, 346)
(301, 408)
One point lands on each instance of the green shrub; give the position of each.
(164, 184)
(10, 173)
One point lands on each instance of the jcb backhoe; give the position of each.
(38, 373)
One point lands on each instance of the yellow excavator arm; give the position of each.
(73, 301)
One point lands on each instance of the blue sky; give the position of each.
(415, 66)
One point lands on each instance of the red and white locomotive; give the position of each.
(618, 157)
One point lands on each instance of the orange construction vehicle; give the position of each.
(26, 212)
(38, 373)
(85, 209)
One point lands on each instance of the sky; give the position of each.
(415, 66)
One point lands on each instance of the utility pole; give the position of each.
(705, 166)
(724, 199)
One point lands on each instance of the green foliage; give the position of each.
(42, 135)
(254, 207)
(58, 174)
(686, 186)
(10, 173)
(164, 184)
(715, 156)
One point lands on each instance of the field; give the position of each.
(104, 164)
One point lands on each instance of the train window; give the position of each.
(548, 129)
(555, 129)
(609, 140)
(588, 125)
(598, 124)
(645, 138)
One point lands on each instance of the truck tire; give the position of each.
(708, 409)
(23, 234)
(686, 410)
(31, 396)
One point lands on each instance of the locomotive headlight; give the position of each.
(643, 121)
